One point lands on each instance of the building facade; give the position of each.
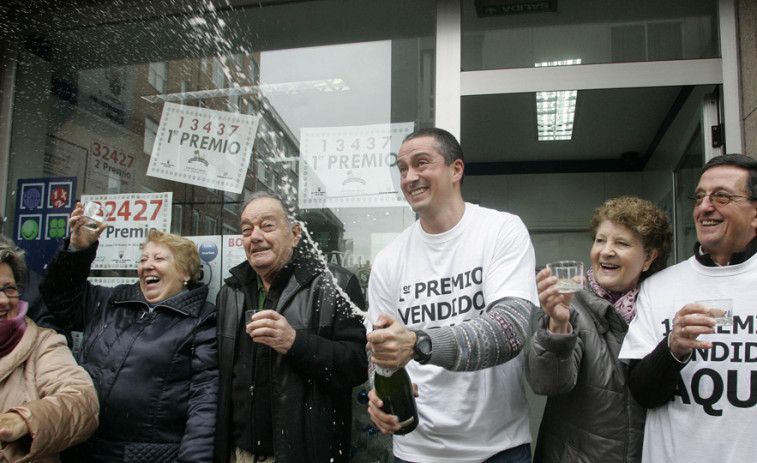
(558, 105)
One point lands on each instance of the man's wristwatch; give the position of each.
(422, 347)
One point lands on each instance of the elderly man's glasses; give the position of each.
(721, 198)
(12, 290)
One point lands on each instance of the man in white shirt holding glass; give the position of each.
(699, 379)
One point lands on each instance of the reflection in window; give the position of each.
(195, 222)
(151, 130)
(219, 78)
(275, 182)
(234, 103)
(254, 71)
(262, 172)
(184, 90)
(655, 41)
(177, 219)
(230, 201)
(619, 32)
(238, 59)
(555, 111)
(210, 225)
(158, 75)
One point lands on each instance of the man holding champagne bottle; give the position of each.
(454, 293)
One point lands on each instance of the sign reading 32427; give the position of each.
(109, 168)
(137, 210)
(103, 152)
(130, 219)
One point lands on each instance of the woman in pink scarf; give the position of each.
(590, 414)
(47, 401)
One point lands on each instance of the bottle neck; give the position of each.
(383, 371)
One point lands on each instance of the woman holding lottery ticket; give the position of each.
(150, 348)
(590, 414)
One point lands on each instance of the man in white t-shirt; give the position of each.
(454, 292)
(699, 380)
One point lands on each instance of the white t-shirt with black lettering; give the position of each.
(428, 280)
(713, 416)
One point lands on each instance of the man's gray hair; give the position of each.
(290, 210)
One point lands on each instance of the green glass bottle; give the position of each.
(394, 388)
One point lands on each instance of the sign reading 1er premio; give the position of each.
(131, 216)
(351, 166)
(203, 147)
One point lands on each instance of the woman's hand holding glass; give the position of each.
(81, 236)
(555, 304)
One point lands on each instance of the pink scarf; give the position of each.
(11, 331)
(624, 303)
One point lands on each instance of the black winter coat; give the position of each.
(312, 384)
(156, 373)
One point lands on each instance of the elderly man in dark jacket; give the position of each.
(288, 372)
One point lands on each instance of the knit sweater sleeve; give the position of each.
(491, 339)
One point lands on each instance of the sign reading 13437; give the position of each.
(203, 147)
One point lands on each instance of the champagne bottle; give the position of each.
(394, 388)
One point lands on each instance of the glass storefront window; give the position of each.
(326, 90)
(352, 79)
(506, 34)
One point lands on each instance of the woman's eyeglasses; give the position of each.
(12, 290)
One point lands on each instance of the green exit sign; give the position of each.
(485, 8)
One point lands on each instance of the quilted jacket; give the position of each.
(41, 381)
(312, 383)
(590, 414)
(156, 372)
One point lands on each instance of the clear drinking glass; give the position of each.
(95, 213)
(569, 275)
(248, 318)
(726, 305)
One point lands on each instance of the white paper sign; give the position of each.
(112, 282)
(131, 218)
(203, 147)
(233, 253)
(209, 248)
(351, 166)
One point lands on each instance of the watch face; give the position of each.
(424, 345)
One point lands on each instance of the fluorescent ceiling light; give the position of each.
(556, 111)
